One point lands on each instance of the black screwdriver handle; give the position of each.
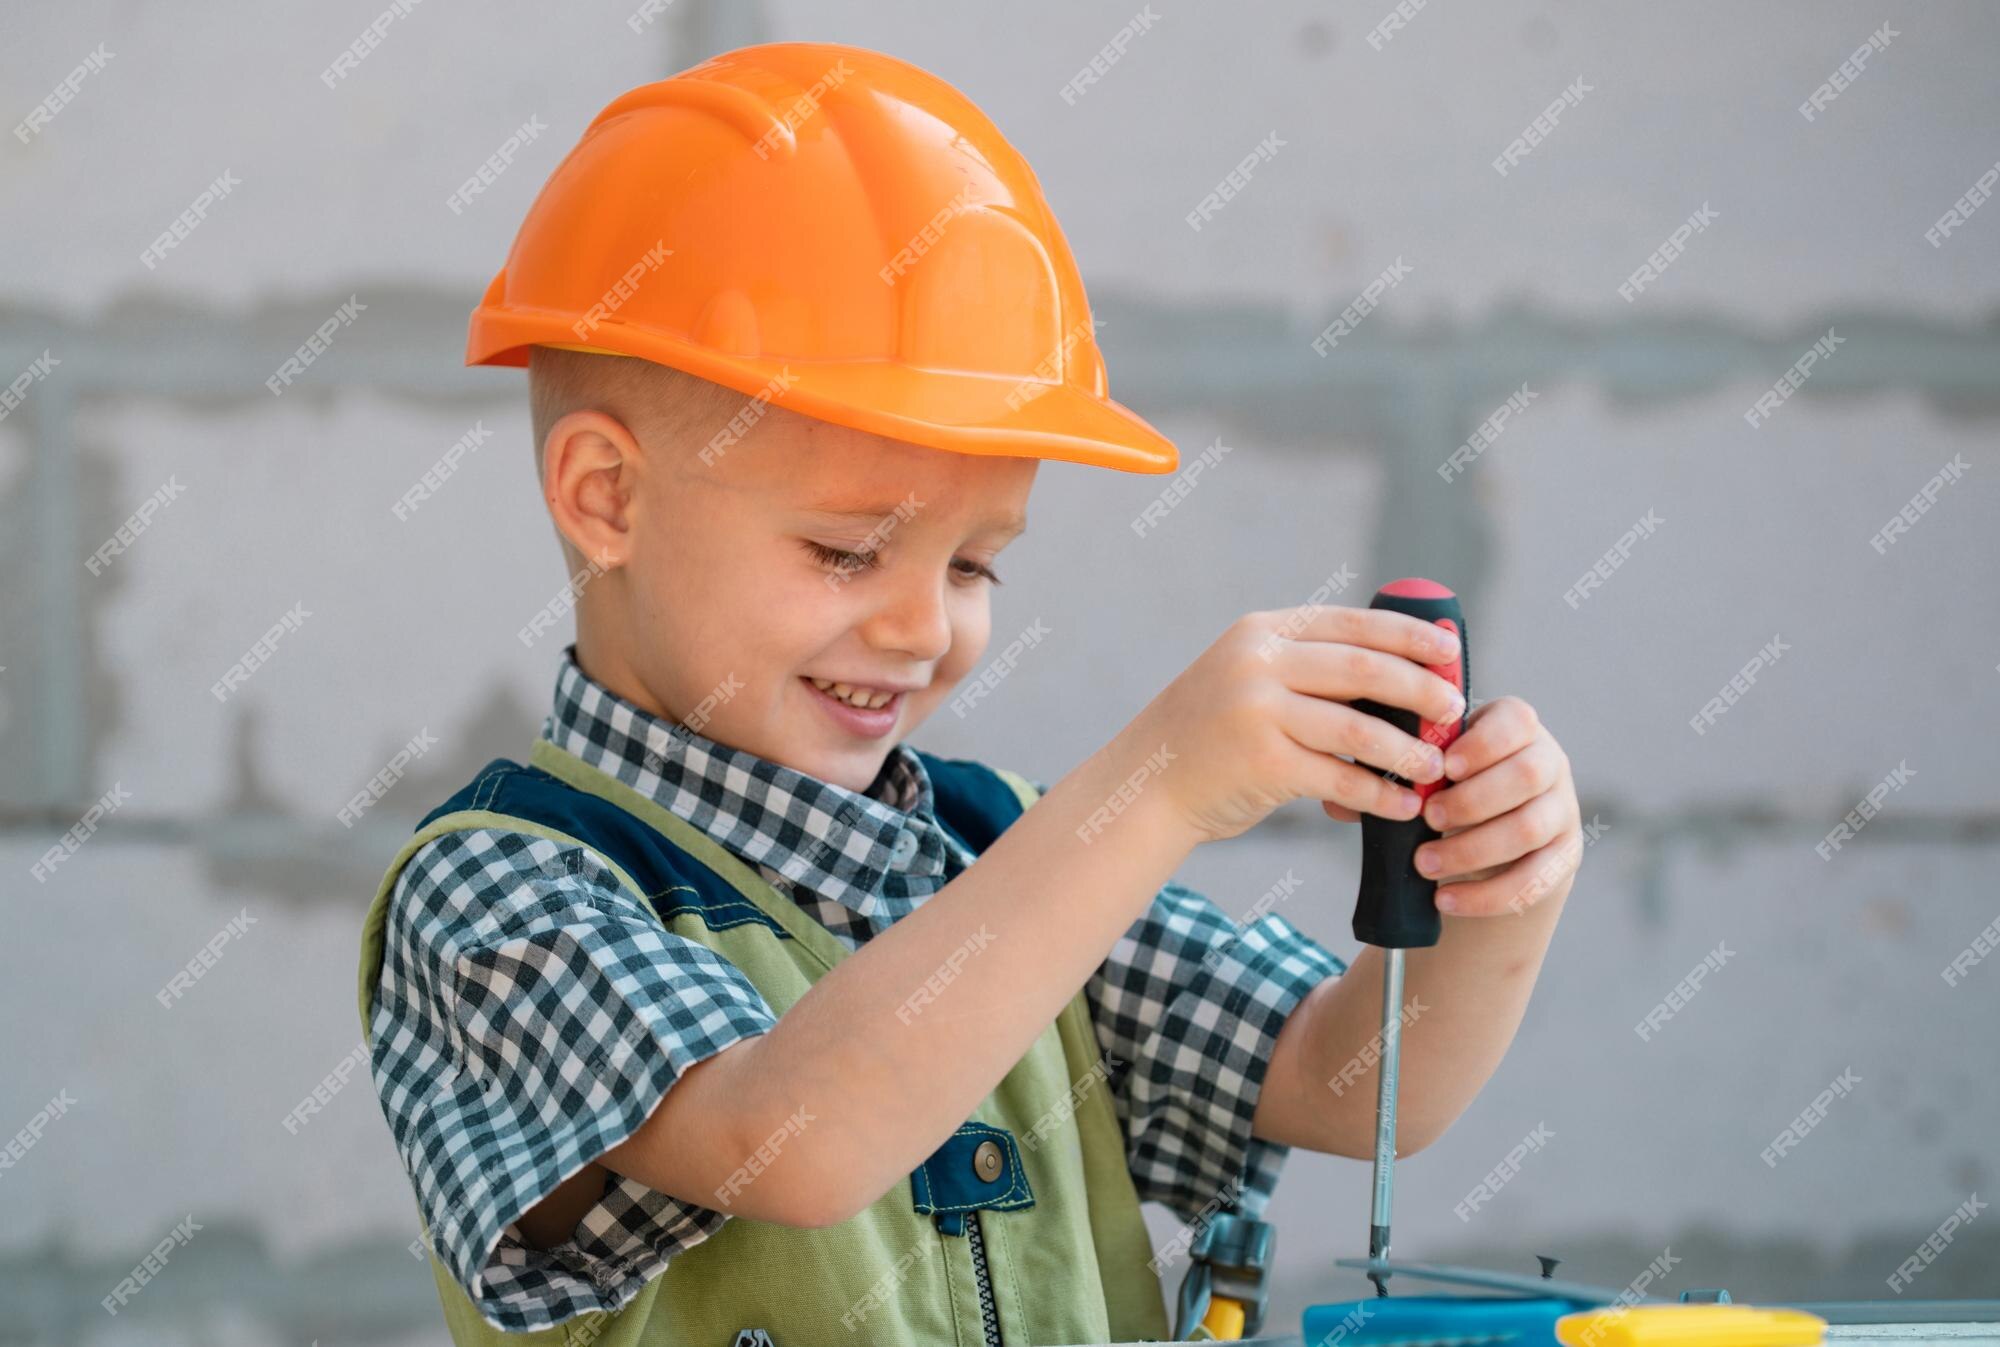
(1397, 907)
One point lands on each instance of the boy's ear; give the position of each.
(590, 468)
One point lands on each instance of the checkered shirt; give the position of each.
(530, 1012)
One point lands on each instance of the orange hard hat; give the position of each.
(831, 230)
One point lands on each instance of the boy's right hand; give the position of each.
(1261, 717)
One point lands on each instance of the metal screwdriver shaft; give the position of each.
(1397, 908)
(1385, 1114)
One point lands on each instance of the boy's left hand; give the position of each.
(1513, 832)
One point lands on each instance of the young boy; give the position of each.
(703, 1019)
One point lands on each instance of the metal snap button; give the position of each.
(987, 1162)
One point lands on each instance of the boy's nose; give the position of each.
(912, 620)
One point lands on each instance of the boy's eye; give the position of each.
(975, 570)
(838, 559)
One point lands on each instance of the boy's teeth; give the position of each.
(852, 695)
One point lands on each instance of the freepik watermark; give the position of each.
(1663, 257)
(1363, 305)
(1287, 885)
(1621, 551)
(1634, 1292)
(259, 652)
(1790, 381)
(1121, 799)
(1047, 374)
(30, 1136)
(762, 1158)
(1815, 1113)
(1738, 685)
(1558, 868)
(802, 109)
(1301, 617)
(44, 112)
(1180, 488)
(1393, 22)
(135, 524)
(877, 538)
(107, 804)
(1364, 1060)
(944, 975)
(1982, 945)
(182, 982)
(1684, 991)
(1460, 460)
(1170, 1253)
(322, 1094)
(1962, 209)
(15, 393)
(363, 46)
(706, 707)
(1351, 1322)
(1065, 1108)
(565, 600)
(885, 1285)
(749, 415)
(1233, 182)
(1110, 54)
(496, 163)
(1869, 806)
(378, 785)
(1848, 71)
(190, 219)
(621, 290)
(440, 472)
(1906, 518)
(315, 346)
(647, 14)
(150, 1266)
(926, 238)
(1535, 132)
(997, 668)
(1503, 1173)
(1932, 1248)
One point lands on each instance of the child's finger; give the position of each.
(1518, 887)
(1339, 812)
(1332, 727)
(1501, 727)
(1376, 628)
(1507, 784)
(1498, 841)
(1352, 672)
(1321, 776)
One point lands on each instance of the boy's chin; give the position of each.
(856, 769)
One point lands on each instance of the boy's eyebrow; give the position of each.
(1011, 523)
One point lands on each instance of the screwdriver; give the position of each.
(1397, 907)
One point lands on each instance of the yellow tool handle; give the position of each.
(1224, 1320)
(1690, 1326)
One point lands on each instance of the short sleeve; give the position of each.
(1190, 1003)
(530, 1015)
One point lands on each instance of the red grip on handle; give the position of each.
(1441, 735)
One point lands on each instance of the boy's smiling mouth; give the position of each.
(864, 709)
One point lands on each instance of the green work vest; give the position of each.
(1065, 1252)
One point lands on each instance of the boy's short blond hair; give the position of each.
(657, 403)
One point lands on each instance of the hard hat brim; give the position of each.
(955, 410)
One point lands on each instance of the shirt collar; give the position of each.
(877, 853)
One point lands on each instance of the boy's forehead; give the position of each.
(847, 475)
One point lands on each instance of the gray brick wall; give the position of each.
(1386, 152)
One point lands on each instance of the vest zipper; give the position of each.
(989, 1314)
